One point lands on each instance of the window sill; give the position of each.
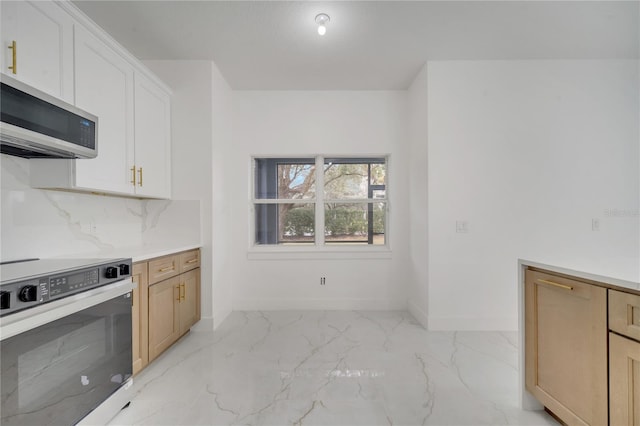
(313, 253)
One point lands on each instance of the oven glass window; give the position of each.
(57, 373)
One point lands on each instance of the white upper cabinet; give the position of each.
(104, 86)
(133, 109)
(40, 34)
(152, 139)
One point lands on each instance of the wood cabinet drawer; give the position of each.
(163, 268)
(624, 314)
(189, 260)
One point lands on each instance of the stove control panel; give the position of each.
(23, 294)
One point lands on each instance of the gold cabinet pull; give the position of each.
(14, 56)
(183, 291)
(564, 286)
(140, 174)
(133, 175)
(168, 268)
(178, 288)
(192, 260)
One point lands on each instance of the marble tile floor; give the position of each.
(331, 368)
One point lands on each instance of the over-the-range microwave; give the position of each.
(37, 125)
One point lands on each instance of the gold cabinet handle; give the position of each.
(564, 286)
(183, 291)
(133, 175)
(140, 174)
(14, 55)
(178, 288)
(192, 260)
(168, 268)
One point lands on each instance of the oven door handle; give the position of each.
(26, 320)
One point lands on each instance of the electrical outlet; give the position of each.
(595, 224)
(323, 280)
(85, 227)
(89, 228)
(462, 226)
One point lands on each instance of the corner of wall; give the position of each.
(417, 100)
(419, 314)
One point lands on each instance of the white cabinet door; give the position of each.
(104, 87)
(152, 139)
(43, 34)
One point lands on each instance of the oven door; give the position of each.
(58, 371)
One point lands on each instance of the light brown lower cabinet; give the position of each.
(624, 359)
(566, 347)
(140, 317)
(189, 299)
(166, 303)
(164, 319)
(624, 372)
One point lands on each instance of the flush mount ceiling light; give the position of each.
(322, 19)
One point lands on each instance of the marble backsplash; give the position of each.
(44, 223)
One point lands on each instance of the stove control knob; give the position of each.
(28, 293)
(5, 299)
(124, 269)
(111, 272)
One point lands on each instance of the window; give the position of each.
(320, 201)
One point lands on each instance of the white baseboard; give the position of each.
(318, 304)
(473, 323)
(419, 314)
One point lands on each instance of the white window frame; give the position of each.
(320, 248)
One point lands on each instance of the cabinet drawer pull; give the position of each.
(168, 268)
(14, 57)
(133, 175)
(564, 286)
(177, 288)
(183, 291)
(140, 173)
(192, 260)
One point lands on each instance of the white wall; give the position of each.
(528, 152)
(308, 123)
(201, 108)
(222, 214)
(418, 237)
(191, 153)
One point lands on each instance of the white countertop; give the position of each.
(619, 277)
(137, 253)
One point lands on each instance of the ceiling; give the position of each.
(376, 45)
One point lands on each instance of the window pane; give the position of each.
(285, 178)
(355, 223)
(285, 223)
(344, 181)
(379, 194)
(379, 174)
(349, 178)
